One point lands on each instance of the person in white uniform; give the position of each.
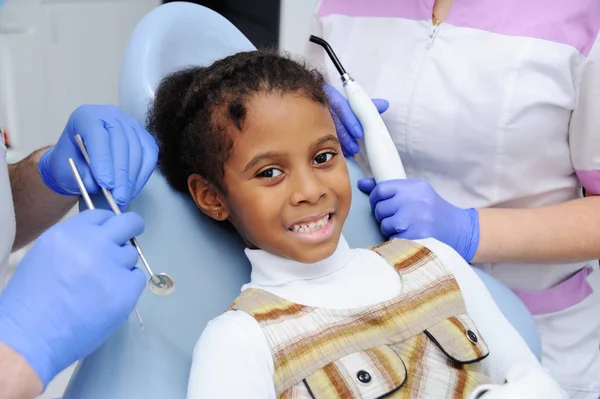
(493, 108)
(79, 282)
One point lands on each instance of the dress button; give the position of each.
(363, 376)
(472, 336)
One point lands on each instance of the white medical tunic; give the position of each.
(499, 106)
(7, 215)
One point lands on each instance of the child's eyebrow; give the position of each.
(260, 157)
(329, 137)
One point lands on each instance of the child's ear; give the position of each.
(207, 197)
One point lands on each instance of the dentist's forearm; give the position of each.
(36, 206)
(567, 232)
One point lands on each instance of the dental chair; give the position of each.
(205, 258)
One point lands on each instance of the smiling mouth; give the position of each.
(312, 226)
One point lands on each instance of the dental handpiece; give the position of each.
(383, 157)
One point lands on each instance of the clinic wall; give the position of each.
(63, 54)
(296, 19)
(68, 52)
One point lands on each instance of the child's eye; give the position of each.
(324, 157)
(269, 173)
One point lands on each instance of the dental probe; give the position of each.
(381, 152)
(90, 205)
(160, 284)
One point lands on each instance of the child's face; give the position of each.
(288, 188)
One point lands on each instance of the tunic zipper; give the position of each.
(409, 144)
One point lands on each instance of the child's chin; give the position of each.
(317, 253)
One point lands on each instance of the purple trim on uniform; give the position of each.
(563, 296)
(412, 9)
(590, 179)
(572, 22)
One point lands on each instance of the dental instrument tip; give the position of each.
(139, 317)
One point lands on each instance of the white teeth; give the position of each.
(304, 228)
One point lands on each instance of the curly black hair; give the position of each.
(194, 106)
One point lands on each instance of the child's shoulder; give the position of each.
(231, 355)
(231, 325)
(400, 244)
(445, 253)
(434, 249)
(230, 334)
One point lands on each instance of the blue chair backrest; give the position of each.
(205, 258)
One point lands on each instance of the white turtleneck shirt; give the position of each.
(232, 358)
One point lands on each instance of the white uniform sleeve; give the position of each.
(522, 381)
(232, 360)
(504, 342)
(584, 130)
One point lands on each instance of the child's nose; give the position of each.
(307, 188)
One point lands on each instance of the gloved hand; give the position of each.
(347, 124)
(71, 291)
(122, 153)
(523, 381)
(411, 209)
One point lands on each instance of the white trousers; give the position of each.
(571, 344)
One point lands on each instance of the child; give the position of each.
(252, 140)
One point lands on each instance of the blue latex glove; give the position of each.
(72, 290)
(347, 124)
(122, 153)
(411, 209)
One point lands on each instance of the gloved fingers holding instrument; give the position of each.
(122, 153)
(70, 292)
(347, 125)
(412, 209)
